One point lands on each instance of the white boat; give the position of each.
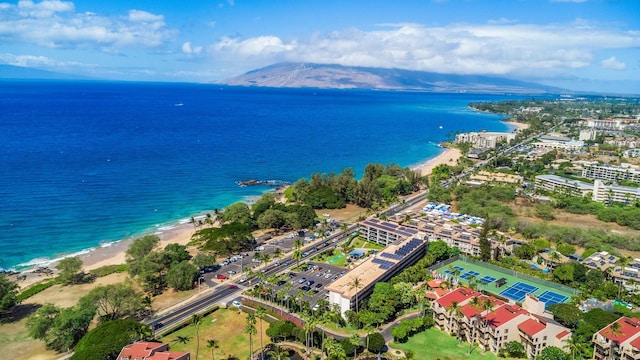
(179, 104)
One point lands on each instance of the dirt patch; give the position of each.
(349, 214)
(68, 295)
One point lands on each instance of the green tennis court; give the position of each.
(513, 288)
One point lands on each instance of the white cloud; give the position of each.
(45, 8)
(459, 48)
(187, 49)
(39, 62)
(54, 23)
(613, 63)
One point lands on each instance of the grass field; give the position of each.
(435, 344)
(491, 286)
(226, 326)
(363, 243)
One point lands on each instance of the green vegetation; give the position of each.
(70, 270)
(108, 270)
(32, 290)
(8, 293)
(440, 346)
(619, 213)
(107, 340)
(60, 328)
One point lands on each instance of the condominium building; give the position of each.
(492, 323)
(484, 139)
(358, 283)
(614, 193)
(613, 173)
(631, 153)
(620, 341)
(384, 232)
(554, 183)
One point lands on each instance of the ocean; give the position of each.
(84, 164)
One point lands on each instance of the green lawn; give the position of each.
(435, 344)
(226, 326)
(336, 258)
(359, 242)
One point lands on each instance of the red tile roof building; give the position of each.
(621, 341)
(145, 350)
(491, 323)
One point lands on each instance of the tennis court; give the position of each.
(516, 288)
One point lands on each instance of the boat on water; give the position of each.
(254, 182)
(178, 104)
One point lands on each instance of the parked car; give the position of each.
(305, 288)
(243, 279)
(316, 307)
(231, 272)
(302, 280)
(310, 282)
(221, 276)
(236, 303)
(318, 285)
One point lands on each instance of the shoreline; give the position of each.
(179, 231)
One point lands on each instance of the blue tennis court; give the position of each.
(487, 279)
(459, 268)
(468, 274)
(448, 272)
(550, 298)
(518, 291)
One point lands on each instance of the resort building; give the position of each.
(384, 232)
(607, 124)
(554, 183)
(614, 193)
(587, 135)
(560, 144)
(484, 139)
(358, 283)
(631, 153)
(492, 323)
(612, 173)
(619, 341)
(145, 350)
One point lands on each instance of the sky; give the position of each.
(581, 45)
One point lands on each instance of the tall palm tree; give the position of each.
(454, 309)
(196, 320)
(250, 328)
(212, 344)
(182, 339)
(355, 284)
(265, 258)
(278, 254)
(260, 312)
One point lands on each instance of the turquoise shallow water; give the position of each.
(88, 163)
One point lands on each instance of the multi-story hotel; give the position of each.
(492, 323)
(613, 173)
(554, 183)
(484, 139)
(399, 254)
(599, 191)
(620, 341)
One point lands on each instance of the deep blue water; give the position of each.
(88, 163)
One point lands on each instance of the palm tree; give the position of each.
(454, 309)
(356, 341)
(212, 344)
(278, 254)
(297, 256)
(260, 312)
(265, 259)
(278, 353)
(182, 339)
(196, 320)
(355, 284)
(250, 329)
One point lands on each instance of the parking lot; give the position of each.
(312, 281)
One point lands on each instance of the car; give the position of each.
(243, 279)
(236, 303)
(233, 286)
(310, 282)
(157, 325)
(302, 280)
(291, 275)
(281, 282)
(316, 307)
(221, 276)
(328, 275)
(260, 248)
(335, 277)
(231, 272)
(255, 260)
(319, 274)
(277, 263)
(318, 285)
(305, 288)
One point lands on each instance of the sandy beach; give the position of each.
(518, 125)
(112, 254)
(449, 157)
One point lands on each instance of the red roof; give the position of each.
(531, 327)
(435, 283)
(168, 355)
(141, 349)
(563, 334)
(629, 327)
(431, 295)
(459, 295)
(503, 314)
(441, 292)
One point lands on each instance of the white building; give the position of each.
(556, 183)
(484, 139)
(613, 173)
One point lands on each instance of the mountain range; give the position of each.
(305, 75)
(21, 72)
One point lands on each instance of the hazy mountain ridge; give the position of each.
(299, 75)
(20, 72)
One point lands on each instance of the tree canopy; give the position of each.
(107, 339)
(8, 293)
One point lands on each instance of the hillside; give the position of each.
(19, 72)
(299, 75)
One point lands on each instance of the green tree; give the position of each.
(204, 259)
(545, 211)
(375, 342)
(278, 353)
(196, 320)
(564, 273)
(566, 314)
(8, 293)
(137, 251)
(175, 253)
(115, 301)
(355, 284)
(515, 349)
(485, 244)
(250, 328)
(525, 251)
(238, 212)
(182, 275)
(552, 353)
(70, 270)
(260, 313)
(60, 328)
(107, 339)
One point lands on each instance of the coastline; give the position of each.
(449, 156)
